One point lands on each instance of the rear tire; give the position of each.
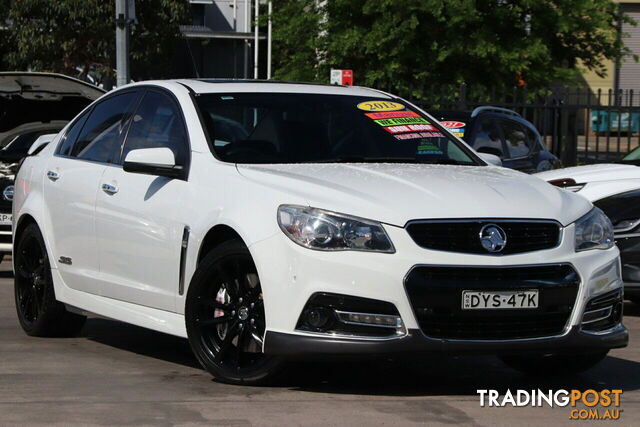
(225, 318)
(39, 313)
(553, 364)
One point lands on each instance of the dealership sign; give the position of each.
(342, 77)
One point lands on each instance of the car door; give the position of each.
(141, 219)
(519, 153)
(72, 179)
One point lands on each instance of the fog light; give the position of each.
(383, 320)
(317, 318)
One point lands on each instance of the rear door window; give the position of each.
(101, 136)
(70, 137)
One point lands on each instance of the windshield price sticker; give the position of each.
(429, 149)
(409, 128)
(415, 135)
(452, 124)
(391, 115)
(402, 121)
(379, 105)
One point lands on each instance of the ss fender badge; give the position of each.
(65, 260)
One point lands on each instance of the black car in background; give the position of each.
(32, 105)
(503, 133)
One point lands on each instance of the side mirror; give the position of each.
(40, 143)
(153, 161)
(492, 159)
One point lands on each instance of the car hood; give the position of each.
(593, 173)
(41, 98)
(397, 193)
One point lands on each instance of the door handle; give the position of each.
(53, 175)
(109, 189)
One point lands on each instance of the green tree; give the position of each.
(298, 44)
(401, 43)
(64, 35)
(4, 34)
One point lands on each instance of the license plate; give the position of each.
(479, 300)
(5, 219)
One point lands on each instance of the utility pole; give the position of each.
(269, 12)
(247, 24)
(122, 42)
(255, 41)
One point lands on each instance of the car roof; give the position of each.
(271, 86)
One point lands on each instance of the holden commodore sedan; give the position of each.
(268, 221)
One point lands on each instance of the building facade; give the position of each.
(220, 41)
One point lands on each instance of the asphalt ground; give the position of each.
(117, 374)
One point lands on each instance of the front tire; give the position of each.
(553, 364)
(225, 317)
(39, 313)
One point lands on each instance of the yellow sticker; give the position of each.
(380, 106)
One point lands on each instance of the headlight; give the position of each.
(594, 231)
(329, 231)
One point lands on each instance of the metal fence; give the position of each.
(578, 125)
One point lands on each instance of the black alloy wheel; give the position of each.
(225, 317)
(30, 279)
(38, 311)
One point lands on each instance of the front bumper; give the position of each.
(415, 342)
(291, 274)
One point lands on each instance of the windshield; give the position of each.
(315, 128)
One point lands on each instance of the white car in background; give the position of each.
(269, 221)
(614, 188)
(32, 106)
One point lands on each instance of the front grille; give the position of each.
(5, 238)
(435, 294)
(464, 235)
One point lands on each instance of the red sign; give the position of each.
(342, 77)
(452, 125)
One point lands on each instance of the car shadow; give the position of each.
(462, 376)
(431, 375)
(140, 341)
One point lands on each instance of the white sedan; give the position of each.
(270, 221)
(614, 188)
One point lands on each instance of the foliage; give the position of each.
(297, 42)
(67, 35)
(401, 43)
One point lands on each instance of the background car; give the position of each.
(503, 133)
(32, 105)
(614, 188)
